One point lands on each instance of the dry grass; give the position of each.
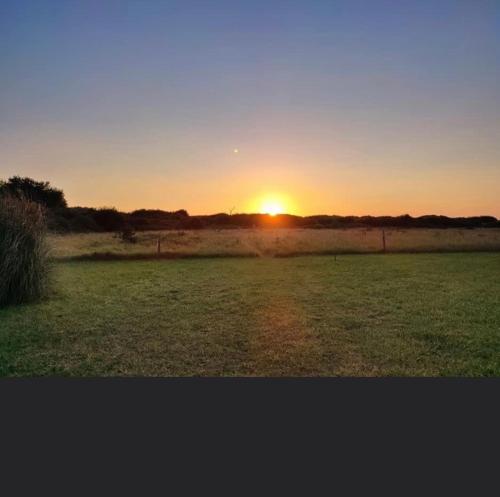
(24, 265)
(279, 242)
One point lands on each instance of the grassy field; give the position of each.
(277, 242)
(425, 314)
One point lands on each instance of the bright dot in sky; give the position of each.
(236, 151)
(272, 207)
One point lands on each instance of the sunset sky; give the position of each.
(346, 107)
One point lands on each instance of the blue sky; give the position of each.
(381, 107)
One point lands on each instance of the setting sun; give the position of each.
(272, 206)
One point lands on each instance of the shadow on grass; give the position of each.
(111, 256)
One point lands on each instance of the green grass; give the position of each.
(426, 314)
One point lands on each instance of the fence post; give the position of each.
(158, 245)
(383, 240)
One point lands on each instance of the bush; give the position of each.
(23, 252)
(127, 235)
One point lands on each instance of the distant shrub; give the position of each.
(23, 253)
(127, 235)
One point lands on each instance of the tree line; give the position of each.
(62, 218)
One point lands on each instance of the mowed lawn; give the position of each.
(362, 315)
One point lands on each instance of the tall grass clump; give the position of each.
(24, 264)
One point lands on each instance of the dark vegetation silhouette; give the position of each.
(85, 219)
(24, 265)
(37, 191)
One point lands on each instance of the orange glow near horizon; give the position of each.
(275, 189)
